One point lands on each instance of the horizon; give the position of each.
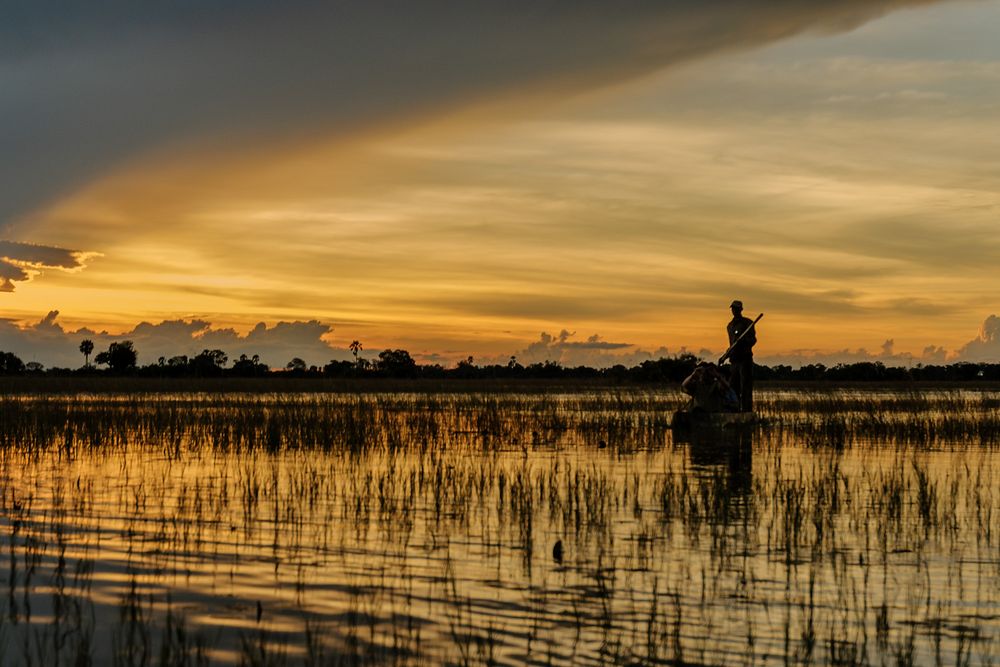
(499, 179)
(317, 344)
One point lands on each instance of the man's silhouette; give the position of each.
(741, 358)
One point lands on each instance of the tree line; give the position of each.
(121, 358)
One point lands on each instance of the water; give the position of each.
(408, 529)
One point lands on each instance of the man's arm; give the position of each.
(751, 338)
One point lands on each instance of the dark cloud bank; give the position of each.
(90, 84)
(19, 260)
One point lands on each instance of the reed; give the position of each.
(405, 528)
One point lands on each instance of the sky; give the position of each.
(589, 182)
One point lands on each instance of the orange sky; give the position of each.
(844, 184)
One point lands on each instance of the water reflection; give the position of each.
(425, 530)
(726, 450)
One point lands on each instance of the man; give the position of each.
(741, 358)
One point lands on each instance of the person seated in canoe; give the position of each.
(742, 338)
(709, 390)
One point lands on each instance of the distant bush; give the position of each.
(121, 359)
(10, 364)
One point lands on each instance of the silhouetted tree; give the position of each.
(618, 372)
(810, 372)
(86, 347)
(548, 369)
(396, 363)
(209, 362)
(355, 348)
(10, 364)
(249, 366)
(338, 369)
(120, 357)
(466, 368)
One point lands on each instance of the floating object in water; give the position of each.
(557, 552)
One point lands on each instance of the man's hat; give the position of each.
(736, 304)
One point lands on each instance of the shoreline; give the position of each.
(95, 384)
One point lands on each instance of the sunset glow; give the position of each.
(837, 171)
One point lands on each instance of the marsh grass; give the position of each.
(189, 529)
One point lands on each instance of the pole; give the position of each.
(723, 358)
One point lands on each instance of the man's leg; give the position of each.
(746, 386)
(736, 379)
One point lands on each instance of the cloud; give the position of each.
(19, 261)
(985, 346)
(8, 274)
(934, 354)
(598, 353)
(594, 351)
(886, 355)
(48, 342)
(87, 86)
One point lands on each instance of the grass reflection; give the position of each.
(404, 529)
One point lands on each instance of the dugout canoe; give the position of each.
(688, 419)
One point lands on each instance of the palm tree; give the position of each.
(355, 347)
(86, 347)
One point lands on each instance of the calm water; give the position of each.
(400, 529)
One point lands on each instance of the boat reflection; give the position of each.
(728, 451)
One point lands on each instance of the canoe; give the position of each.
(687, 419)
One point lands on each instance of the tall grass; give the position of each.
(413, 528)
